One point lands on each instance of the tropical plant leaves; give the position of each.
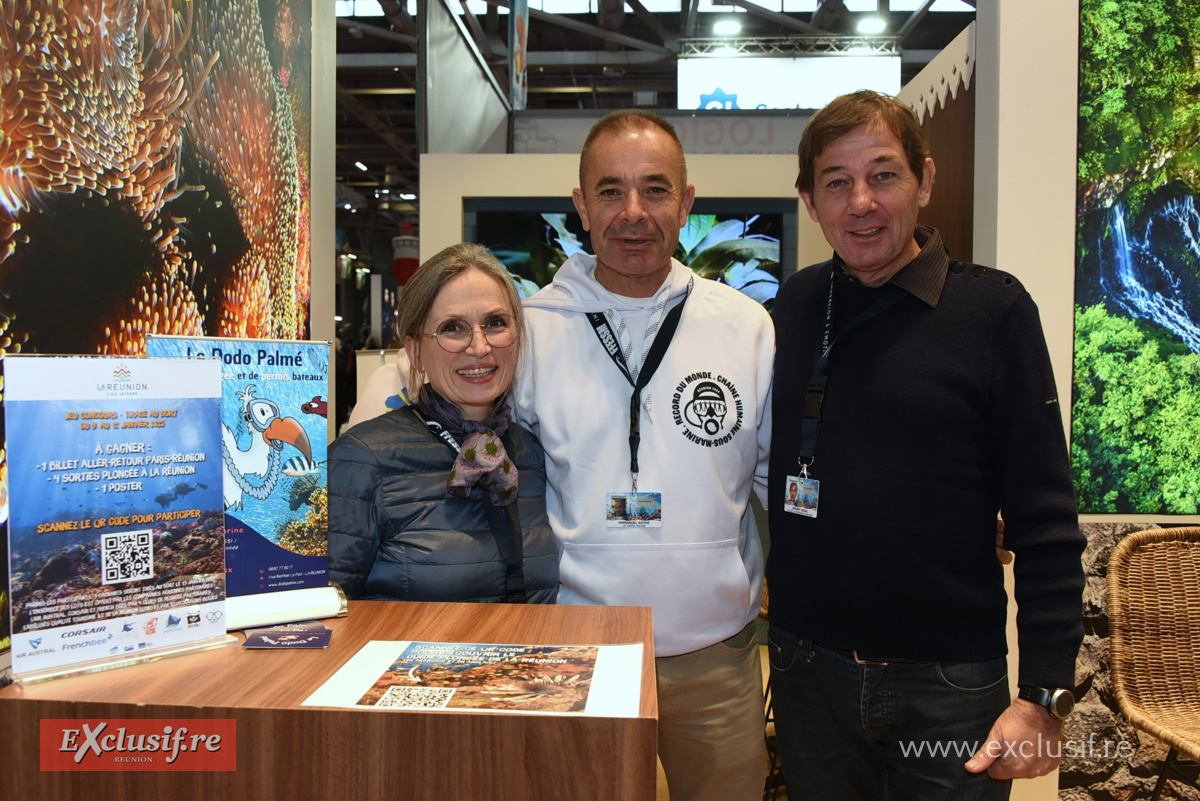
(713, 261)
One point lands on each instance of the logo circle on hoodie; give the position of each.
(707, 409)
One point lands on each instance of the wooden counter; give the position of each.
(287, 751)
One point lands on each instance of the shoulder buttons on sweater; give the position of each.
(978, 272)
(956, 267)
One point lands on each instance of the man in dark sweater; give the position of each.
(914, 398)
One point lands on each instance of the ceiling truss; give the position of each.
(574, 62)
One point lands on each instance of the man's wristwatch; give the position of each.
(1059, 703)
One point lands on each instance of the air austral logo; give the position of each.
(35, 647)
(707, 408)
(130, 744)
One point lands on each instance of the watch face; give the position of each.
(1062, 702)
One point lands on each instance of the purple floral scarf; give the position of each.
(481, 458)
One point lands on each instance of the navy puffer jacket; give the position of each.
(396, 534)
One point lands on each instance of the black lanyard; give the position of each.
(810, 424)
(440, 430)
(653, 359)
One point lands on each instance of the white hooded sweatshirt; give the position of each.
(705, 434)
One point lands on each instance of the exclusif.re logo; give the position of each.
(131, 744)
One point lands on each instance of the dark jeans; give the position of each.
(897, 732)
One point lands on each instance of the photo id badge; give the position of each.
(640, 509)
(802, 493)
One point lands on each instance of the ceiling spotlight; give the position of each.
(869, 26)
(348, 207)
(408, 196)
(727, 27)
(361, 166)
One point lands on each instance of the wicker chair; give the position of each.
(1154, 620)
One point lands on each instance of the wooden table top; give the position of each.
(235, 677)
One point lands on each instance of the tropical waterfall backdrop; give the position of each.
(1135, 422)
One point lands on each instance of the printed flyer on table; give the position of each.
(592, 680)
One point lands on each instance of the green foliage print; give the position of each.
(1135, 417)
(1138, 86)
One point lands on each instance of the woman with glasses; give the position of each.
(444, 500)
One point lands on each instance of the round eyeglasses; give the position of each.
(455, 334)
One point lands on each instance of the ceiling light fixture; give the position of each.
(869, 26)
(361, 166)
(727, 27)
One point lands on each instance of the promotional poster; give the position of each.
(273, 458)
(116, 532)
(154, 177)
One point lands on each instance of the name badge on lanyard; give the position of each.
(802, 491)
(802, 495)
(634, 509)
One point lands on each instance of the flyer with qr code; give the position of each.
(116, 526)
(593, 680)
(275, 437)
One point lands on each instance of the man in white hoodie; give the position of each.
(649, 387)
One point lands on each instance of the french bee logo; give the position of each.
(707, 408)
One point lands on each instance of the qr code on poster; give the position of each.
(128, 556)
(417, 697)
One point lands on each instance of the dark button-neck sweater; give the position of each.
(939, 412)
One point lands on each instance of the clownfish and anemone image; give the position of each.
(150, 175)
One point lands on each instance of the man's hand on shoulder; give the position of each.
(1020, 743)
